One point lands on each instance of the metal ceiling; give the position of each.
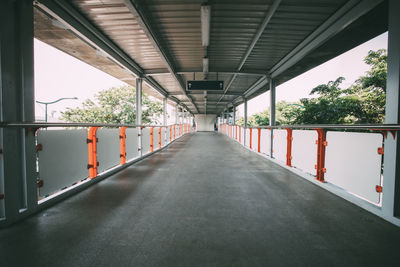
(250, 41)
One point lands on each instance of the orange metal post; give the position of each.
(321, 143)
(289, 147)
(151, 139)
(92, 152)
(236, 132)
(259, 138)
(122, 138)
(159, 137)
(251, 137)
(174, 130)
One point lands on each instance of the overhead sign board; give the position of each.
(205, 85)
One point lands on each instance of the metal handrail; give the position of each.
(59, 124)
(394, 127)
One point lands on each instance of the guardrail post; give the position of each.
(174, 130)
(289, 147)
(151, 139)
(159, 137)
(251, 137)
(321, 143)
(122, 138)
(92, 152)
(259, 139)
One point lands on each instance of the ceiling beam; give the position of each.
(271, 11)
(252, 89)
(139, 14)
(66, 14)
(343, 17)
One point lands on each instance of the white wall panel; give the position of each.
(265, 142)
(63, 160)
(242, 135)
(145, 140)
(131, 143)
(108, 149)
(254, 139)
(176, 131)
(205, 122)
(169, 134)
(279, 145)
(304, 150)
(247, 137)
(156, 140)
(163, 136)
(352, 162)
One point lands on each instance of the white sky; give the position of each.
(60, 75)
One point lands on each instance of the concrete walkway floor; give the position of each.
(204, 201)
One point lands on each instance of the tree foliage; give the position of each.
(363, 102)
(114, 105)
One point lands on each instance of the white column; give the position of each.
(18, 186)
(272, 91)
(139, 82)
(391, 171)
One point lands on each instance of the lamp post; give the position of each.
(52, 102)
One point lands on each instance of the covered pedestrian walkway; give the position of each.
(204, 200)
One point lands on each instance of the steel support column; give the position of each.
(272, 113)
(18, 176)
(391, 171)
(139, 83)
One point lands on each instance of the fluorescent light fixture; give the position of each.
(205, 24)
(205, 65)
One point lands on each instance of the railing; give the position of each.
(351, 160)
(82, 151)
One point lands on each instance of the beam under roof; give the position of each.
(140, 17)
(343, 17)
(271, 11)
(65, 13)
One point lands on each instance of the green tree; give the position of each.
(371, 88)
(114, 105)
(333, 106)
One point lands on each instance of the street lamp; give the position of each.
(52, 102)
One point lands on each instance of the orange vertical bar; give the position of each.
(289, 147)
(159, 137)
(236, 132)
(321, 144)
(251, 136)
(92, 152)
(259, 139)
(122, 138)
(174, 131)
(151, 139)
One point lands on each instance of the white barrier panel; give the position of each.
(108, 149)
(352, 162)
(176, 131)
(168, 129)
(131, 143)
(156, 139)
(279, 145)
(242, 135)
(304, 150)
(265, 142)
(254, 140)
(145, 140)
(63, 160)
(163, 136)
(247, 137)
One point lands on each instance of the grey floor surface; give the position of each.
(204, 201)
